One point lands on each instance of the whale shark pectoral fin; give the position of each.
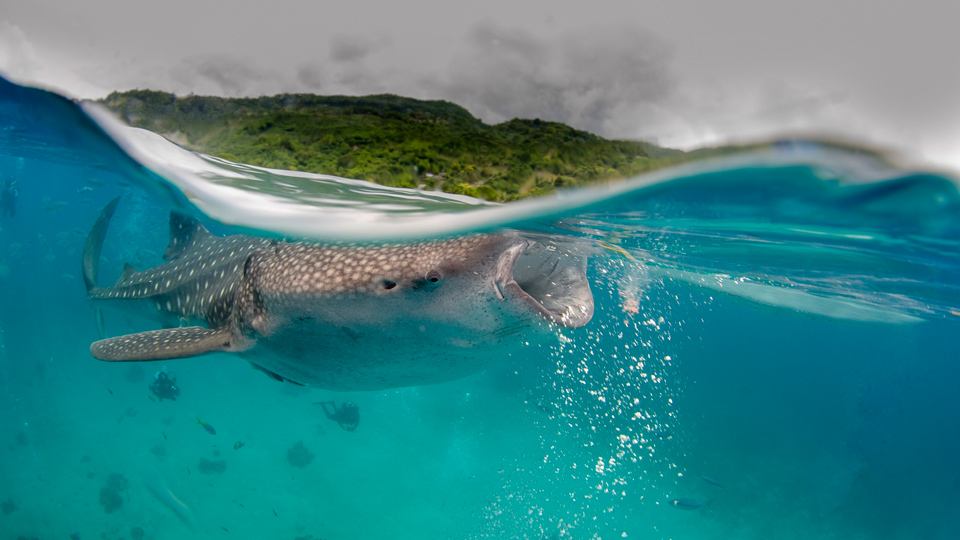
(273, 375)
(166, 344)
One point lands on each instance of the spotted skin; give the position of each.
(342, 317)
(199, 285)
(162, 344)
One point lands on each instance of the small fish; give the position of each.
(687, 504)
(224, 528)
(275, 512)
(54, 206)
(207, 427)
(164, 435)
(712, 481)
(111, 391)
(238, 445)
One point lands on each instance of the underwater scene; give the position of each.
(756, 346)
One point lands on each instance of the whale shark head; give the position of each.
(433, 280)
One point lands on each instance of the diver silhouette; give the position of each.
(165, 386)
(347, 415)
(8, 198)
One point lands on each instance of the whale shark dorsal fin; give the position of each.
(165, 344)
(185, 232)
(128, 272)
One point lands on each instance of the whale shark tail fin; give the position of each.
(91, 249)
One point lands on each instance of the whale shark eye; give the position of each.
(389, 284)
(434, 276)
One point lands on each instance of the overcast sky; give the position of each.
(677, 72)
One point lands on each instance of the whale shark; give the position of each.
(344, 316)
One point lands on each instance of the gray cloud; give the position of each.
(309, 76)
(353, 48)
(589, 80)
(225, 75)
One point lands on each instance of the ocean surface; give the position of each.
(773, 355)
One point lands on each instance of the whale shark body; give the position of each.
(344, 317)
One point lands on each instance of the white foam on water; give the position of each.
(308, 205)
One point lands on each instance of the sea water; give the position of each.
(775, 339)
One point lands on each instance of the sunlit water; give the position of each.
(782, 323)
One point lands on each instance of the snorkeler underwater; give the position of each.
(693, 276)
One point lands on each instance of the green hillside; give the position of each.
(390, 140)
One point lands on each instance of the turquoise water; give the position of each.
(782, 323)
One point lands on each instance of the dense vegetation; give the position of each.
(390, 140)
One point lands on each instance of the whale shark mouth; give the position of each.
(548, 280)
